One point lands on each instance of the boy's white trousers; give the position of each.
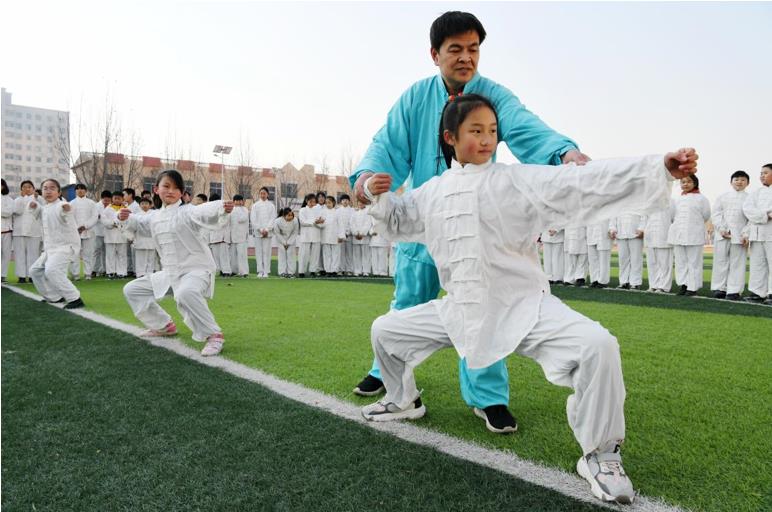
(728, 267)
(239, 260)
(222, 258)
(572, 350)
(576, 267)
(361, 259)
(115, 258)
(554, 265)
(309, 257)
(26, 250)
(190, 292)
(144, 261)
(263, 254)
(379, 257)
(49, 274)
(688, 266)
(87, 255)
(331, 257)
(347, 255)
(99, 254)
(7, 250)
(288, 259)
(600, 264)
(760, 281)
(630, 261)
(659, 261)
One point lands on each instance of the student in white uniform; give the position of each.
(144, 247)
(361, 226)
(129, 201)
(219, 239)
(599, 253)
(498, 299)
(86, 215)
(116, 241)
(310, 217)
(729, 249)
(627, 230)
(687, 235)
(239, 236)
(552, 244)
(285, 233)
(7, 229)
(262, 216)
(379, 254)
(187, 267)
(346, 250)
(758, 209)
(659, 253)
(62, 245)
(106, 200)
(575, 245)
(333, 235)
(27, 231)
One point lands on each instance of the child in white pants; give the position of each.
(687, 235)
(7, 220)
(727, 281)
(599, 253)
(26, 231)
(332, 237)
(498, 299)
(659, 253)
(310, 237)
(379, 255)
(285, 234)
(262, 216)
(575, 245)
(347, 249)
(62, 246)
(187, 265)
(86, 213)
(239, 236)
(116, 241)
(758, 209)
(144, 246)
(627, 230)
(552, 244)
(361, 226)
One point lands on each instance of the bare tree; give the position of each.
(93, 166)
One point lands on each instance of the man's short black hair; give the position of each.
(80, 186)
(106, 193)
(453, 23)
(740, 174)
(238, 197)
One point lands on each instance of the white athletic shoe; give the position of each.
(213, 345)
(382, 411)
(607, 477)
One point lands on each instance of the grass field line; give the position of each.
(560, 481)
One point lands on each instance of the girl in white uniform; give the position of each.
(659, 253)
(498, 299)
(310, 217)
(219, 240)
(116, 241)
(552, 245)
(86, 215)
(361, 227)
(379, 255)
(144, 247)
(627, 230)
(758, 209)
(687, 235)
(27, 231)
(729, 249)
(262, 215)
(7, 223)
(187, 267)
(239, 237)
(599, 253)
(346, 250)
(99, 234)
(62, 246)
(285, 234)
(333, 235)
(575, 245)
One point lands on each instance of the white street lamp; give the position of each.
(222, 151)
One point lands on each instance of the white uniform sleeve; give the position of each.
(754, 211)
(400, 218)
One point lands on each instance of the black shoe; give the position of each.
(601, 285)
(301, 275)
(757, 299)
(733, 296)
(370, 386)
(682, 290)
(690, 293)
(718, 294)
(22, 280)
(53, 301)
(579, 283)
(497, 418)
(552, 282)
(77, 303)
(636, 287)
(625, 286)
(558, 282)
(768, 300)
(594, 284)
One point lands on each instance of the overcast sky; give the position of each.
(302, 82)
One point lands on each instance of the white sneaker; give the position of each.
(382, 411)
(213, 345)
(607, 477)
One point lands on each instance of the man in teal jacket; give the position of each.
(407, 147)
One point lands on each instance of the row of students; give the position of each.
(676, 233)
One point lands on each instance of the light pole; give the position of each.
(222, 151)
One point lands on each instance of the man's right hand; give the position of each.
(359, 187)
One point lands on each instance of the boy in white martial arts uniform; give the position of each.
(7, 222)
(129, 201)
(219, 240)
(346, 249)
(62, 245)
(498, 299)
(239, 225)
(687, 235)
(758, 209)
(262, 216)
(333, 235)
(627, 230)
(659, 253)
(285, 234)
(361, 226)
(106, 200)
(86, 215)
(575, 245)
(552, 245)
(729, 249)
(144, 247)
(116, 241)
(27, 231)
(379, 255)
(599, 253)
(310, 217)
(187, 267)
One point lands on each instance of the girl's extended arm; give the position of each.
(211, 215)
(401, 218)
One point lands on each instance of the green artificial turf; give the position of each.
(94, 419)
(697, 375)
